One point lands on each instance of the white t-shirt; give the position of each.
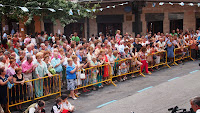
(33, 110)
(33, 40)
(198, 111)
(67, 106)
(121, 48)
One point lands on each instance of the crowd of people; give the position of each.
(41, 55)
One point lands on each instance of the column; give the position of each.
(37, 24)
(144, 24)
(189, 21)
(166, 23)
(58, 27)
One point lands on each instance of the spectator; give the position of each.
(36, 107)
(143, 56)
(66, 104)
(75, 38)
(71, 78)
(4, 79)
(40, 71)
(18, 79)
(27, 69)
(195, 104)
(57, 108)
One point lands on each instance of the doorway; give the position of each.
(30, 28)
(155, 26)
(75, 27)
(48, 27)
(174, 24)
(109, 28)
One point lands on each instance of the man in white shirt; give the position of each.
(121, 47)
(36, 107)
(195, 104)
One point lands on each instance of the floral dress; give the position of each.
(94, 73)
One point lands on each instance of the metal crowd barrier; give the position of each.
(182, 53)
(33, 90)
(157, 59)
(94, 76)
(130, 65)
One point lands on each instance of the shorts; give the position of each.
(71, 84)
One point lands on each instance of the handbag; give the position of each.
(82, 75)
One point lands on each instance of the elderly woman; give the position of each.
(3, 88)
(71, 77)
(19, 79)
(40, 71)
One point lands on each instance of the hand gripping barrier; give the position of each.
(33, 90)
(182, 53)
(125, 67)
(157, 59)
(94, 76)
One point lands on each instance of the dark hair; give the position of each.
(196, 101)
(41, 103)
(1, 70)
(58, 100)
(133, 50)
(84, 59)
(64, 96)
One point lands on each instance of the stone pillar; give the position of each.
(37, 23)
(144, 24)
(93, 26)
(22, 28)
(58, 27)
(42, 25)
(189, 21)
(166, 23)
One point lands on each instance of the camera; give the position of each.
(177, 110)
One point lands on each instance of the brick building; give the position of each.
(138, 16)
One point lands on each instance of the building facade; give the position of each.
(136, 17)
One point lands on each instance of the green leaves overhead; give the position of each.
(48, 9)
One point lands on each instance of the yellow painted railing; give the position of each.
(182, 53)
(33, 90)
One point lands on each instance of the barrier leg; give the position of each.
(168, 65)
(113, 83)
(111, 76)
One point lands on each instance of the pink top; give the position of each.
(58, 57)
(10, 71)
(26, 66)
(27, 40)
(117, 37)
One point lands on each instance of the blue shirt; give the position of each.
(198, 39)
(80, 58)
(54, 62)
(70, 75)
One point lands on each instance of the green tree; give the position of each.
(11, 8)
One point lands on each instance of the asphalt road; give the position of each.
(130, 95)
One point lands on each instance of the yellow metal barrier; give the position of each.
(157, 59)
(182, 53)
(130, 67)
(95, 76)
(33, 90)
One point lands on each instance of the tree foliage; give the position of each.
(62, 8)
